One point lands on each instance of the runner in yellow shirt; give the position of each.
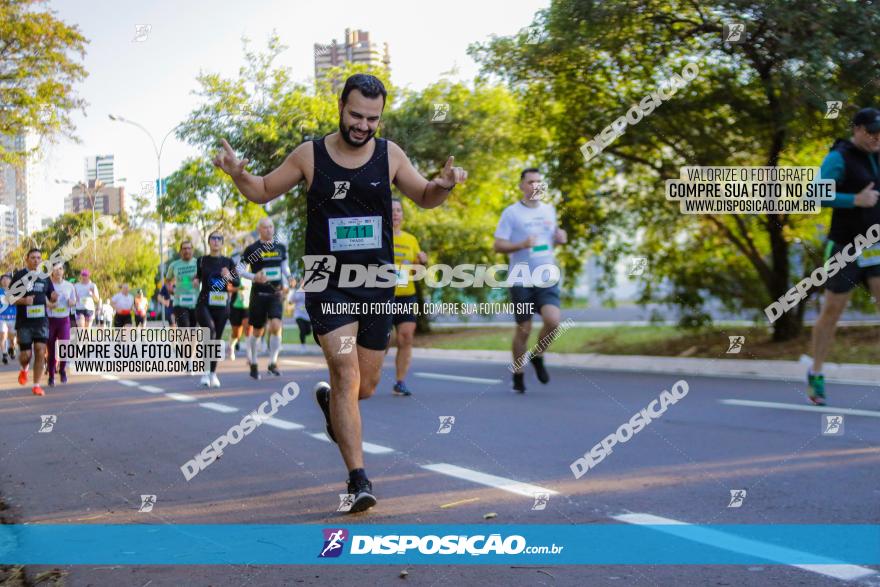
(406, 253)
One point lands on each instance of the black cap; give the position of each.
(869, 118)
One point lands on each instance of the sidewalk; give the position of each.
(851, 373)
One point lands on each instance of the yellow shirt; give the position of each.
(406, 250)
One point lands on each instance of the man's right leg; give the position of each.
(823, 335)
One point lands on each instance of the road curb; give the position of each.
(851, 373)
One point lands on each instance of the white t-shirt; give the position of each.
(517, 223)
(66, 299)
(298, 298)
(122, 302)
(86, 294)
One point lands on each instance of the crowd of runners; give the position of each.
(353, 218)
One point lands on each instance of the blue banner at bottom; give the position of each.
(598, 544)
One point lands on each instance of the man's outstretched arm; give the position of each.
(426, 194)
(261, 189)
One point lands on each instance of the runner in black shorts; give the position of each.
(215, 276)
(31, 289)
(269, 273)
(238, 315)
(854, 166)
(348, 176)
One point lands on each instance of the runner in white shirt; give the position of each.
(88, 300)
(122, 304)
(528, 233)
(297, 298)
(59, 319)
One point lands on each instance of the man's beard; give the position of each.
(345, 133)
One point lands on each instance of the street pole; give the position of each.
(159, 190)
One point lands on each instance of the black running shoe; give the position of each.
(363, 495)
(5, 358)
(401, 389)
(254, 372)
(12, 353)
(519, 384)
(540, 370)
(322, 396)
(273, 369)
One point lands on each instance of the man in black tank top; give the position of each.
(348, 227)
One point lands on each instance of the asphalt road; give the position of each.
(114, 440)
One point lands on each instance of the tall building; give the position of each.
(357, 48)
(8, 229)
(14, 185)
(108, 199)
(100, 167)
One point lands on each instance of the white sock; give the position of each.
(274, 348)
(251, 350)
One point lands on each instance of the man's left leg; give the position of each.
(405, 335)
(550, 314)
(39, 361)
(275, 329)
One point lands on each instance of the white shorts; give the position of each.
(7, 326)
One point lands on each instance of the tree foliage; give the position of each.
(38, 72)
(760, 102)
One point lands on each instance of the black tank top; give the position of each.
(349, 217)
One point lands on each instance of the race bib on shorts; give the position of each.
(870, 256)
(272, 273)
(36, 311)
(355, 233)
(217, 298)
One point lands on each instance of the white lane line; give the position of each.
(277, 422)
(109, 377)
(369, 447)
(733, 543)
(799, 408)
(305, 363)
(128, 382)
(517, 487)
(151, 389)
(181, 397)
(445, 377)
(222, 408)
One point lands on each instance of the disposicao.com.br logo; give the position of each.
(480, 544)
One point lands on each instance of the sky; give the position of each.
(152, 82)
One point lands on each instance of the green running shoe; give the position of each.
(816, 390)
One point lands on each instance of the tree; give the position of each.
(37, 73)
(122, 253)
(761, 102)
(189, 193)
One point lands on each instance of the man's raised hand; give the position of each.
(229, 162)
(450, 176)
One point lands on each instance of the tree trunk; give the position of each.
(790, 324)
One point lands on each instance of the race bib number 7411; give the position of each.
(355, 233)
